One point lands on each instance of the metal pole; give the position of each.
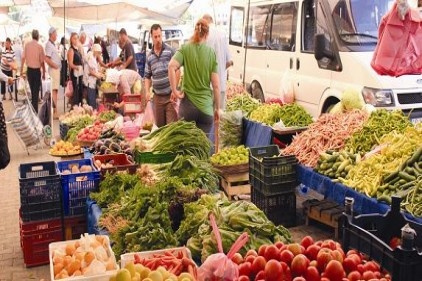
(246, 42)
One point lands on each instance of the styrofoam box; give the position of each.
(100, 277)
(125, 258)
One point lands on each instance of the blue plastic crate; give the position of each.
(40, 191)
(93, 216)
(76, 187)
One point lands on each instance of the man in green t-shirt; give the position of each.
(199, 102)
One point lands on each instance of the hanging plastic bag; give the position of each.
(69, 89)
(220, 266)
(23, 87)
(287, 89)
(148, 120)
(398, 51)
(230, 129)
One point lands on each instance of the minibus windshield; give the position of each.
(357, 21)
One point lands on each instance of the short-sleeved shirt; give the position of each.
(199, 62)
(52, 52)
(218, 41)
(90, 64)
(128, 51)
(9, 56)
(156, 69)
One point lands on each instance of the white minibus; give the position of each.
(323, 46)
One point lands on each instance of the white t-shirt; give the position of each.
(90, 64)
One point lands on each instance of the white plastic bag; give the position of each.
(23, 87)
(287, 88)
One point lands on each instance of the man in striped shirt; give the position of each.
(7, 66)
(156, 72)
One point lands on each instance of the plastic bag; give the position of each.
(69, 89)
(23, 87)
(287, 89)
(398, 50)
(4, 147)
(148, 121)
(220, 266)
(230, 129)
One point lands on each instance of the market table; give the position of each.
(338, 192)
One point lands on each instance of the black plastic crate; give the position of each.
(76, 187)
(279, 208)
(371, 234)
(270, 172)
(40, 191)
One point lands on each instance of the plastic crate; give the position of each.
(371, 233)
(153, 157)
(97, 277)
(40, 191)
(132, 107)
(76, 187)
(120, 163)
(270, 172)
(74, 227)
(131, 98)
(35, 238)
(279, 208)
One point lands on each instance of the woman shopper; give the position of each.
(199, 102)
(75, 61)
(7, 67)
(92, 74)
(62, 53)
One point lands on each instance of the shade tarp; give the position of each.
(114, 11)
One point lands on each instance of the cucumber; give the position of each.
(417, 167)
(406, 176)
(390, 177)
(415, 157)
(385, 198)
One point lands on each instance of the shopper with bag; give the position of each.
(7, 67)
(75, 61)
(92, 74)
(199, 103)
(4, 147)
(52, 58)
(33, 56)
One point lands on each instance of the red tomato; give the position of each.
(349, 264)
(294, 248)
(337, 255)
(367, 275)
(258, 265)
(324, 279)
(354, 276)
(312, 274)
(319, 243)
(353, 251)
(250, 259)
(395, 242)
(360, 268)
(279, 244)
(371, 266)
(251, 253)
(260, 275)
(307, 241)
(286, 272)
(299, 265)
(261, 250)
(299, 278)
(312, 252)
(273, 271)
(287, 257)
(243, 278)
(272, 253)
(323, 258)
(329, 244)
(314, 263)
(245, 269)
(356, 258)
(341, 252)
(334, 271)
(237, 258)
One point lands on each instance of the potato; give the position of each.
(70, 249)
(89, 257)
(75, 169)
(58, 267)
(86, 169)
(66, 172)
(74, 266)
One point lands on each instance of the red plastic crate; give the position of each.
(120, 163)
(35, 238)
(74, 227)
(131, 98)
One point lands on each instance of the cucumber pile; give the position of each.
(336, 164)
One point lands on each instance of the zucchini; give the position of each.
(415, 157)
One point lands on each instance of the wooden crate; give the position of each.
(236, 184)
(326, 212)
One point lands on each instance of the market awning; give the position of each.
(9, 3)
(115, 11)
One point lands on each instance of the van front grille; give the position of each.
(409, 98)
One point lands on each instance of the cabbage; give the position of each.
(352, 99)
(337, 108)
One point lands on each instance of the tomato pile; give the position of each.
(307, 261)
(91, 133)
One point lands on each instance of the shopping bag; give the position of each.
(4, 147)
(69, 89)
(148, 121)
(23, 87)
(399, 48)
(287, 88)
(220, 266)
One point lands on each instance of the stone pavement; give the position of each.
(11, 258)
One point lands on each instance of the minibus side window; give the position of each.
(322, 29)
(283, 27)
(257, 26)
(308, 26)
(236, 26)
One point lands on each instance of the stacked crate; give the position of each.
(75, 189)
(41, 210)
(273, 180)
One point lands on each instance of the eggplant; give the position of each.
(103, 149)
(108, 151)
(115, 147)
(128, 151)
(107, 142)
